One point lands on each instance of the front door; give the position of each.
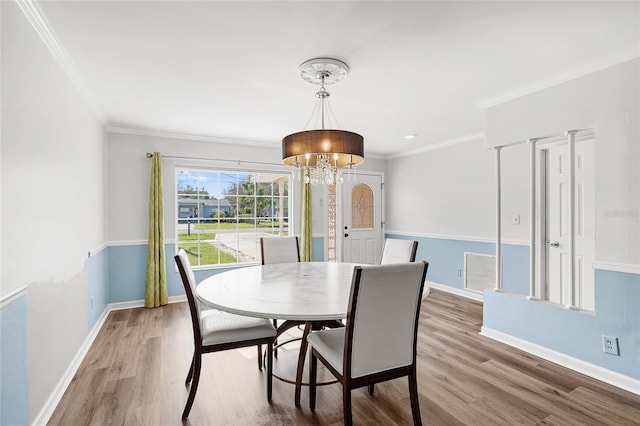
(557, 285)
(361, 223)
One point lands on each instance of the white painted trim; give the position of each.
(98, 249)
(608, 376)
(128, 243)
(41, 26)
(438, 145)
(205, 138)
(52, 402)
(13, 296)
(604, 62)
(137, 242)
(140, 303)
(629, 268)
(58, 391)
(457, 291)
(192, 137)
(458, 238)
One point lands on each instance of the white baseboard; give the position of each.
(608, 376)
(52, 402)
(140, 303)
(56, 395)
(457, 291)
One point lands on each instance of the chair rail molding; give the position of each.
(12, 296)
(629, 268)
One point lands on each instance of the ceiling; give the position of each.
(229, 70)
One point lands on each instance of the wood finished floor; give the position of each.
(134, 375)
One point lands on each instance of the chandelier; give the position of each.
(322, 154)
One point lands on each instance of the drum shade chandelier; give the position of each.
(323, 153)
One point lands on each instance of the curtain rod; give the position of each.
(238, 162)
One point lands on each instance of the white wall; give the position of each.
(450, 192)
(53, 200)
(129, 170)
(607, 100)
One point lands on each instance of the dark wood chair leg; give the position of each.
(269, 371)
(413, 395)
(194, 385)
(313, 372)
(371, 388)
(275, 341)
(346, 404)
(260, 356)
(190, 373)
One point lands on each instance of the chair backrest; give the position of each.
(279, 250)
(398, 251)
(189, 283)
(382, 321)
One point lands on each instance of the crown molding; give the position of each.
(474, 137)
(204, 138)
(39, 23)
(191, 137)
(615, 58)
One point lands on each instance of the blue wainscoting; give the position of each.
(317, 248)
(446, 256)
(128, 273)
(574, 333)
(14, 385)
(97, 267)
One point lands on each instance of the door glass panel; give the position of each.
(362, 213)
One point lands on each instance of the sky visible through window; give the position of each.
(222, 215)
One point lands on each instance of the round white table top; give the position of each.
(303, 291)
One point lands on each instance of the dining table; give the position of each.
(310, 294)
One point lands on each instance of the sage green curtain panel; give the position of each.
(156, 286)
(306, 254)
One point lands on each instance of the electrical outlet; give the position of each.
(459, 272)
(610, 345)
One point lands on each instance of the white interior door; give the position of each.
(557, 283)
(361, 223)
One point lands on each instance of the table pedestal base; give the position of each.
(283, 365)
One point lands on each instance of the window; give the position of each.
(221, 215)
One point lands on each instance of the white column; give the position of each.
(532, 219)
(571, 136)
(498, 222)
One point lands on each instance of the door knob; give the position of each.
(346, 235)
(553, 244)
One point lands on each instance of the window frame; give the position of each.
(253, 171)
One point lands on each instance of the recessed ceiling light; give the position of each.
(410, 136)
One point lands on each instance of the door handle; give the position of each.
(553, 244)
(346, 235)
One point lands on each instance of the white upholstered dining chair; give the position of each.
(398, 251)
(215, 331)
(279, 250)
(374, 347)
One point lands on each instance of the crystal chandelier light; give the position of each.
(322, 154)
